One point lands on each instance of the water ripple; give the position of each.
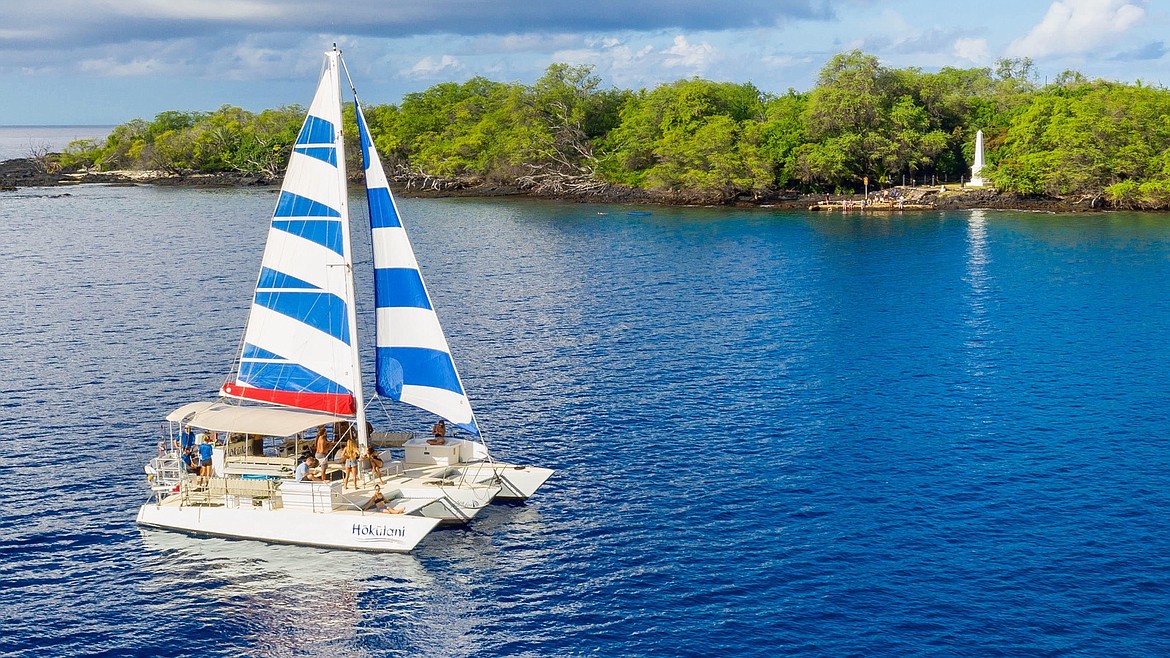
(774, 434)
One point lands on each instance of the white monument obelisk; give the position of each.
(977, 168)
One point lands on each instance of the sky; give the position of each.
(104, 62)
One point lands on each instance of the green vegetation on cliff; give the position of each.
(698, 140)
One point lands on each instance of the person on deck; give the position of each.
(321, 448)
(350, 454)
(378, 503)
(304, 470)
(439, 433)
(190, 465)
(375, 462)
(205, 450)
(376, 500)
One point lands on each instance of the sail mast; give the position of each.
(351, 312)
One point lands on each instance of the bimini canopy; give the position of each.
(266, 421)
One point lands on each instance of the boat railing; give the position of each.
(250, 491)
(165, 471)
(227, 491)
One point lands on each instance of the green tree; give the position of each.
(781, 133)
(692, 135)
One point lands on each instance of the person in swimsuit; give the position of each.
(350, 455)
(375, 462)
(439, 433)
(376, 500)
(321, 448)
(378, 503)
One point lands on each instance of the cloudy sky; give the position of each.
(109, 61)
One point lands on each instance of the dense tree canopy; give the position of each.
(702, 140)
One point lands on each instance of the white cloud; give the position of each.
(429, 67)
(614, 60)
(779, 61)
(217, 10)
(973, 50)
(1078, 26)
(683, 54)
(113, 68)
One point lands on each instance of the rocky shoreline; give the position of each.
(28, 172)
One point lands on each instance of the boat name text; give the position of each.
(368, 530)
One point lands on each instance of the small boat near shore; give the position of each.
(296, 384)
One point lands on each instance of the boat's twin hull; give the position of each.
(453, 505)
(520, 482)
(397, 533)
(514, 482)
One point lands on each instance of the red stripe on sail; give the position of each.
(334, 403)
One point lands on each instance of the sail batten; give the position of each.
(413, 363)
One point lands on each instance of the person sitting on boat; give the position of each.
(188, 461)
(378, 503)
(439, 433)
(375, 501)
(305, 470)
(190, 465)
(375, 462)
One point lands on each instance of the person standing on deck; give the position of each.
(350, 455)
(321, 449)
(205, 450)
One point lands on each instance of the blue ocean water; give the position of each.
(775, 433)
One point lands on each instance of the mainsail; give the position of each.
(413, 362)
(299, 348)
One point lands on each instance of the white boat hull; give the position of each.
(455, 504)
(514, 482)
(520, 482)
(395, 533)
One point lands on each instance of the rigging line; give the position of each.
(345, 68)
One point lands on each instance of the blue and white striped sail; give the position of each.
(414, 363)
(299, 347)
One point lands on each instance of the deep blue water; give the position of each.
(776, 433)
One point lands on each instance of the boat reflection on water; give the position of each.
(297, 599)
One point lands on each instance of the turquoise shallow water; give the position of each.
(776, 433)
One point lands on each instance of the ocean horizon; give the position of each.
(17, 141)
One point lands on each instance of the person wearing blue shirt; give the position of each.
(189, 465)
(205, 450)
(302, 472)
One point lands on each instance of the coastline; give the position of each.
(27, 172)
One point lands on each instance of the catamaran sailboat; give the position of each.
(298, 376)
